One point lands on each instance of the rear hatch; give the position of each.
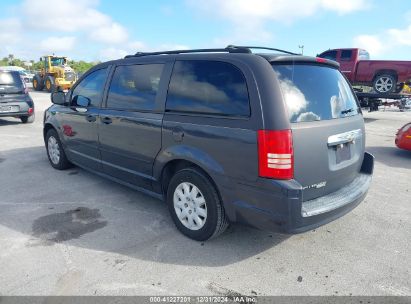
(12, 92)
(326, 123)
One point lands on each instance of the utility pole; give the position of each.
(302, 49)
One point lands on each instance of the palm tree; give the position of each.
(11, 59)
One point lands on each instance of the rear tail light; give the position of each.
(30, 111)
(275, 154)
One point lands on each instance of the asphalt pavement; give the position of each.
(74, 233)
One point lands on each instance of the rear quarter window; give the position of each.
(208, 87)
(314, 92)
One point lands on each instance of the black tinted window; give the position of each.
(315, 93)
(134, 87)
(332, 55)
(210, 87)
(346, 54)
(10, 82)
(90, 89)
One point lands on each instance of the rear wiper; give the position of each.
(347, 111)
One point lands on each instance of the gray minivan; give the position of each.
(274, 140)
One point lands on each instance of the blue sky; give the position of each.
(102, 30)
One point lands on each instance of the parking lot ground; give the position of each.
(74, 233)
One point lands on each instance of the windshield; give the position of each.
(57, 61)
(10, 82)
(314, 92)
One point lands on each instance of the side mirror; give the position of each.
(41, 58)
(82, 101)
(58, 98)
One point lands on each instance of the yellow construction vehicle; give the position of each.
(54, 75)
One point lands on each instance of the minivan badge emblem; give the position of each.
(316, 186)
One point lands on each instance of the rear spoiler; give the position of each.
(301, 59)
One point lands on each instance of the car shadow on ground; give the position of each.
(81, 209)
(391, 156)
(368, 120)
(9, 121)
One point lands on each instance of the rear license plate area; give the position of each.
(9, 109)
(342, 152)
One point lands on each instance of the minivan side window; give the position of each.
(331, 55)
(89, 91)
(134, 87)
(346, 54)
(208, 87)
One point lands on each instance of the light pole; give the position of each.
(302, 49)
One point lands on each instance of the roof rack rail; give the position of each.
(261, 48)
(228, 49)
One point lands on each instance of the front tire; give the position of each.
(38, 83)
(55, 151)
(385, 83)
(50, 84)
(195, 205)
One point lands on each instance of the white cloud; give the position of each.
(401, 36)
(112, 33)
(57, 44)
(134, 47)
(112, 53)
(344, 7)
(250, 17)
(371, 43)
(286, 11)
(72, 16)
(10, 31)
(384, 41)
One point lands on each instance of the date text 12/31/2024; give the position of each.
(203, 299)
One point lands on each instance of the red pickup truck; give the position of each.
(383, 75)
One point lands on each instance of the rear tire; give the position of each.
(28, 119)
(195, 205)
(50, 84)
(55, 151)
(385, 83)
(38, 84)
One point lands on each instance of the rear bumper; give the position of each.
(15, 114)
(24, 110)
(278, 206)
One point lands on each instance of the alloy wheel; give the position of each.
(384, 84)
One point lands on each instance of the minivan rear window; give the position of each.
(10, 82)
(314, 92)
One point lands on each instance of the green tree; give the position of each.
(78, 66)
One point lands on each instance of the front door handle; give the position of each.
(91, 118)
(106, 120)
